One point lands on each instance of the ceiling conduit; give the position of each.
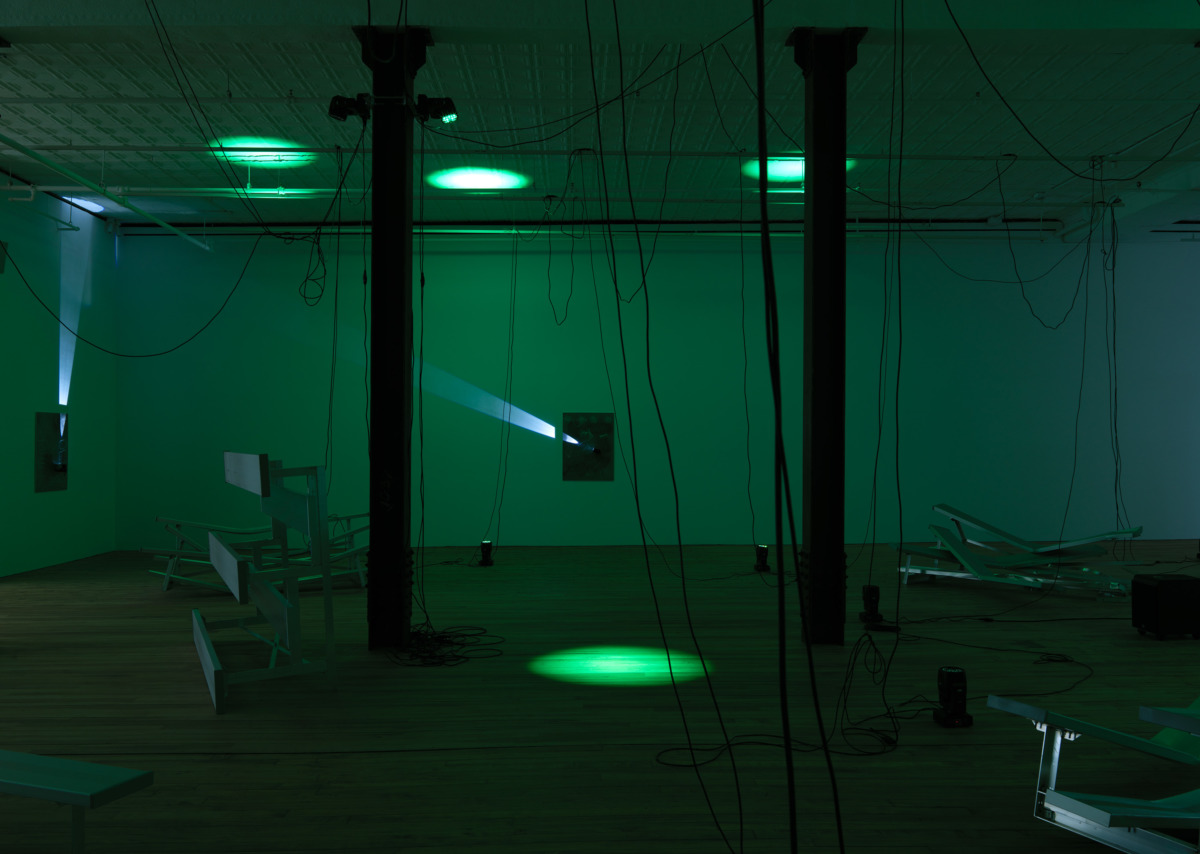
(96, 188)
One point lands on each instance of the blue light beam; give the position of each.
(75, 287)
(449, 387)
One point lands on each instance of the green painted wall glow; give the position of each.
(264, 152)
(618, 666)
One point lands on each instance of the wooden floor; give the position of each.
(486, 756)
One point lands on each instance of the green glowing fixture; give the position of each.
(436, 108)
(618, 666)
(263, 152)
(470, 178)
(782, 168)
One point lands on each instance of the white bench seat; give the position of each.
(81, 785)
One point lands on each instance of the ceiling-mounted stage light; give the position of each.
(436, 108)
(341, 107)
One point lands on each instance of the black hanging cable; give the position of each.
(644, 265)
(754, 94)
(1085, 278)
(632, 438)
(582, 115)
(75, 333)
(550, 258)
(871, 534)
(575, 118)
(662, 202)
(712, 91)
(772, 337)
(316, 270)
(600, 325)
(1012, 161)
(604, 236)
(366, 316)
(896, 130)
(902, 102)
(1016, 269)
(1122, 512)
(1079, 244)
(193, 104)
(401, 16)
(1030, 133)
(506, 409)
(333, 358)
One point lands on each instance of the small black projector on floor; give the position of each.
(1166, 604)
(952, 694)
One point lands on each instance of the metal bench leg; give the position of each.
(77, 814)
(1052, 744)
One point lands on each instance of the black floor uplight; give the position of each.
(952, 695)
(485, 553)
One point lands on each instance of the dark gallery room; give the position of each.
(593, 426)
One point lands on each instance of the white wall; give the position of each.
(988, 396)
(72, 272)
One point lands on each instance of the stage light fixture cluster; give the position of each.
(436, 108)
(341, 107)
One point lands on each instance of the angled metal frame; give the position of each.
(191, 549)
(252, 580)
(1132, 825)
(1032, 565)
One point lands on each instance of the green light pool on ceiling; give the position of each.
(782, 168)
(618, 666)
(474, 178)
(261, 151)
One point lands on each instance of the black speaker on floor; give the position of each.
(1166, 604)
(870, 612)
(952, 695)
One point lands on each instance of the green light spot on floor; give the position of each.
(618, 666)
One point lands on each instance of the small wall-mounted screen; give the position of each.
(49, 451)
(587, 446)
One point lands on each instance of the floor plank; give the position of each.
(488, 756)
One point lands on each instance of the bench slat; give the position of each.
(67, 781)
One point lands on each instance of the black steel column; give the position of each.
(825, 57)
(394, 56)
